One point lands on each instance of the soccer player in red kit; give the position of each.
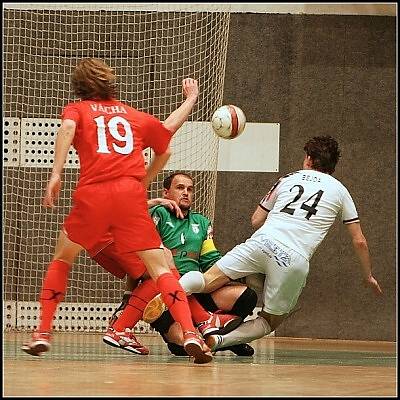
(110, 197)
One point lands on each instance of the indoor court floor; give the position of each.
(81, 365)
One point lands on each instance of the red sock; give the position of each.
(199, 314)
(53, 292)
(133, 311)
(175, 299)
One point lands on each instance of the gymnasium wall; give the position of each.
(318, 75)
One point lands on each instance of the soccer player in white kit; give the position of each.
(292, 220)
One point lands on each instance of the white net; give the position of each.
(151, 52)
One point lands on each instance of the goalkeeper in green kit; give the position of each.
(188, 236)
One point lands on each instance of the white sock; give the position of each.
(245, 333)
(192, 282)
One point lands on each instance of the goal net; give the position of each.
(151, 51)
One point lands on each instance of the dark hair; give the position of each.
(324, 153)
(94, 79)
(168, 180)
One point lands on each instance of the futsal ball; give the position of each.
(228, 121)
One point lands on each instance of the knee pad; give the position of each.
(176, 350)
(192, 282)
(245, 303)
(163, 323)
(206, 300)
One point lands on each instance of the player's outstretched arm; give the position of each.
(258, 218)
(64, 140)
(181, 114)
(360, 246)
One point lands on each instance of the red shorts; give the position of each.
(100, 245)
(120, 264)
(117, 207)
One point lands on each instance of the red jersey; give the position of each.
(110, 137)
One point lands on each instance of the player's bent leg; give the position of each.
(129, 318)
(244, 301)
(52, 293)
(175, 299)
(191, 282)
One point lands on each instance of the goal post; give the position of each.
(151, 49)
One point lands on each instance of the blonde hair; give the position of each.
(94, 79)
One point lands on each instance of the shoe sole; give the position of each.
(230, 326)
(153, 310)
(112, 342)
(37, 349)
(194, 350)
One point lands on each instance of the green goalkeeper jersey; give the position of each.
(189, 239)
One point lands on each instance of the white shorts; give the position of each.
(285, 271)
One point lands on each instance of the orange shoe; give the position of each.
(155, 307)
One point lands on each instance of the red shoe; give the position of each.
(219, 323)
(124, 340)
(194, 345)
(40, 343)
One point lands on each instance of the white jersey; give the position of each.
(302, 206)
